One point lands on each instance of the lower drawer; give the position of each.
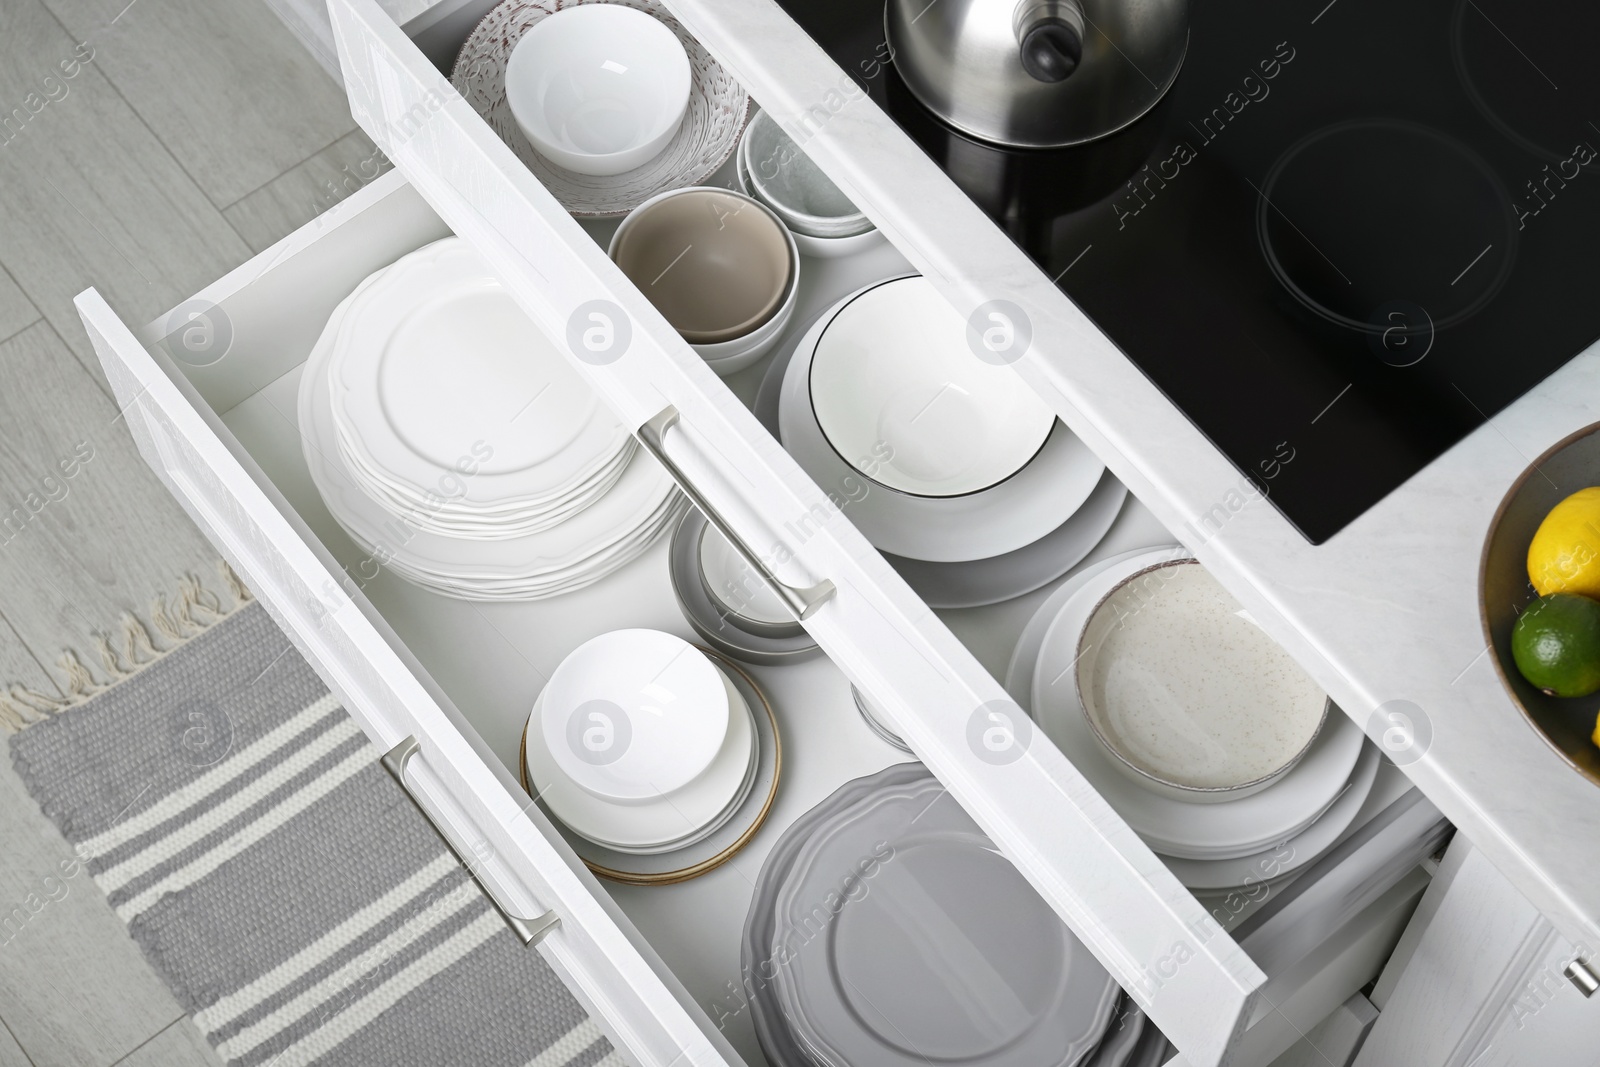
(660, 965)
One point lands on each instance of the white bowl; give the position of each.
(777, 172)
(736, 590)
(1187, 694)
(634, 715)
(831, 247)
(1009, 516)
(894, 372)
(598, 88)
(669, 823)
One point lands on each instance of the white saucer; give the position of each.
(1174, 828)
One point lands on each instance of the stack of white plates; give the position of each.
(947, 458)
(894, 933)
(451, 439)
(1258, 838)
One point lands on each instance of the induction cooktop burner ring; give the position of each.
(1457, 163)
(1474, 92)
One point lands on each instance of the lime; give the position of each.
(1556, 643)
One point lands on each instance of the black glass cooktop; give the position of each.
(1350, 233)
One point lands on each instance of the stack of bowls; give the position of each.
(641, 744)
(727, 602)
(773, 169)
(944, 456)
(719, 266)
(455, 443)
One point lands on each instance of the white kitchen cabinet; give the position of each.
(1481, 980)
(654, 964)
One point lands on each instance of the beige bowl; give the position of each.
(1187, 694)
(714, 262)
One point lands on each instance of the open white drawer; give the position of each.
(650, 962)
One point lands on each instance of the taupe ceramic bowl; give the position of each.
(714, 262)
(1503, 589)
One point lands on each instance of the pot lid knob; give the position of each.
(1051, 49)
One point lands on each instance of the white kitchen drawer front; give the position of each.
(521, 860)
(1150, 932)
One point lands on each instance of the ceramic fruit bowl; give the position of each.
(1504, 591)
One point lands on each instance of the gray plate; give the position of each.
(904, 935)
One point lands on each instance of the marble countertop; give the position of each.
(1385, 614)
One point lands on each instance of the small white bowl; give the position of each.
(809, 245)
(1189, 697)
(634, 715)
(779, 174)
(598, 88)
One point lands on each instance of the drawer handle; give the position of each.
(802, 603)
(531, 931)
(1580, 974)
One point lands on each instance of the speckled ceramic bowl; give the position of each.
(1189, 696)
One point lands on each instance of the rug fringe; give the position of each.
(192, 610)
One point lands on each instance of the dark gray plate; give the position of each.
(1503, 586)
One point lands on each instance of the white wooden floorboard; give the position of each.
(179, 1045)
(79, 550)
(90, 196)
(222, 83)
(303, 192)
(11, 1054)
(16, 310)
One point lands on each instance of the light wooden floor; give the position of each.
(198, 132)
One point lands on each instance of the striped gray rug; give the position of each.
(297, 904)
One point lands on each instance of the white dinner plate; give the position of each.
(1287, 856)
(439, 376)
(1172, 827)
(614, 530)
(1017, 512)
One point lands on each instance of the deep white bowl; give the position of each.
(633, 715)
(894, 374)
(598, 88)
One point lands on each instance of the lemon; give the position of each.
(1595, 737)
(1564, 556)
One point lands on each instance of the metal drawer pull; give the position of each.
(802, 603)
(531, 931)
(1581, 975)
